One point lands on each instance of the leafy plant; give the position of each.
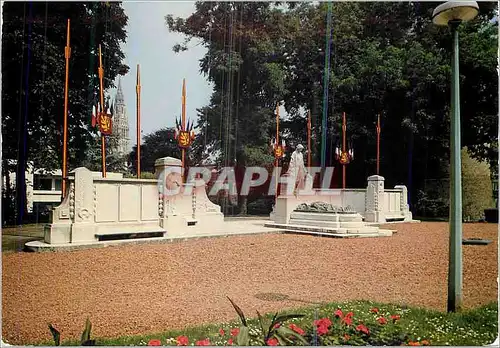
(55, 335)
(85, 339)
(269, 330)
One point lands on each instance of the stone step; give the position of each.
(317, 223)
(381, 233)
(326, 216)
(314, 216)
(361, 230)
(330, 224)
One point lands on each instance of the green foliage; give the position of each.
(268, 329)
(472, 327)
(33, 70)
(144, 175)
(261, 206)
(55, 335)
(476, 187)
(477, 192)
(147, 175)
(85, 339)
(91, 24)
(387, 57)
(432, 201)
(158, 144)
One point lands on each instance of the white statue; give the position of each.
(296, 168)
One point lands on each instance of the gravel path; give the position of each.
(154, 287)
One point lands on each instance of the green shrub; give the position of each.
(147, 175)
(477, 192)
(432, 203)
(477, 189)
(144, 175)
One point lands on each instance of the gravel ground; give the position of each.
(139, 289)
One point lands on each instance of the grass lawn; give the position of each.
(414, 326)
(14, 238)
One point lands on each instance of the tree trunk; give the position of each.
(7, 198)
(21, 197)
(243, 205)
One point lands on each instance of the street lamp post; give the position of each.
(452, 14)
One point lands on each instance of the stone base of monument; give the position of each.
(323, 219)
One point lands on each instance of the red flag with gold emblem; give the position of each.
(105, 124)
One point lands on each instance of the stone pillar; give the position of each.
(82, 206)
(168, 172)
(29, 190)
(374, 201)
(405, 208)
(163, 163)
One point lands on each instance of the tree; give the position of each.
(477, 187)
(158, 144)
(387, 58)
(244, 65)
(33, 70)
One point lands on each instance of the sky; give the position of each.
(149, 44)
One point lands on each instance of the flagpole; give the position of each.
(103, 140)
(309, 139)
(67, 55)
(344, 129)
(138, 92)
(183, 125)
(276, 160)
(378, 145)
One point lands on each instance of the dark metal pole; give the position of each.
(455, 254)
(325, 87)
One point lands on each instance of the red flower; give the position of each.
(205, 342)
(323, 322)
(276, 326)
(154, 343)
(182, 341)
(272, 342)
(374, 310)
(363, 329)
(235, 332)
(350, 314)
(347, 320)
(322, 329)
(230, 341)
(382, 321)
(395, 317)
(297, 329)
(411, 343)
(221, 332)
(425, 343)
(338, 313)
(347, 337)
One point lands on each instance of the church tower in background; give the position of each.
(120, 142)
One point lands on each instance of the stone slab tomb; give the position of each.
(320, 218)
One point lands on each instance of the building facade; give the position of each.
(120, 141)
(44, 190)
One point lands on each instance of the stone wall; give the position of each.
(96, 206)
